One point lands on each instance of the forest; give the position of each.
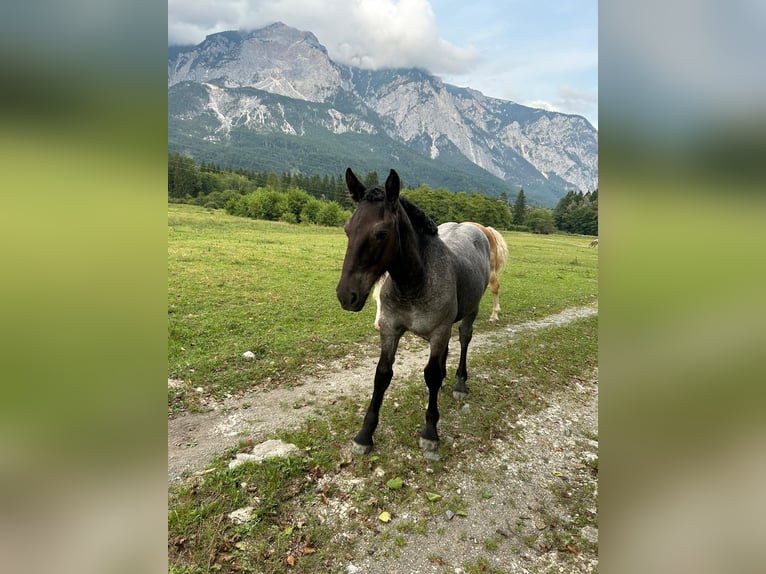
(323, 200)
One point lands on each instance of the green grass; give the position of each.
(522, 375)
(237, 285)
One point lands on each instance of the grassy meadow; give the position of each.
(237, 285)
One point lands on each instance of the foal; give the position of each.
(436, 277)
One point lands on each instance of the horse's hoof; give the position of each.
(357, 448)
(428, 444)
(459, 395)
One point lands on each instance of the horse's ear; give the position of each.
(355, 187)
(393, 185)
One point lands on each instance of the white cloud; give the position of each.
(570, 101)
(364, 33)
(542, 105)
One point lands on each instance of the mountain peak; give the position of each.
(278, 59)
(409, 109)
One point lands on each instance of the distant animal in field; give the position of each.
(436, 277)
(498, 255)
(594, 243)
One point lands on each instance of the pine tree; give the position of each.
(520, 208)
(372, 179)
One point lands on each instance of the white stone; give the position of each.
(241, 515)
(268, 449)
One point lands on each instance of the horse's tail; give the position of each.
(501, 250)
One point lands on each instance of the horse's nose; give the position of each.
(349, 298)
(345, 296)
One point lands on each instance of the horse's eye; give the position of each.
(381, 234)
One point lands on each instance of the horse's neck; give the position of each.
(409, 267)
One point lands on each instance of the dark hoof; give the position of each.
(357, 448)
(428, 444)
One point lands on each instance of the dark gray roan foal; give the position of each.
(437, 277)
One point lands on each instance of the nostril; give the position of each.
(354, 297)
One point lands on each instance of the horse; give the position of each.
(436, 277)
(498, 255)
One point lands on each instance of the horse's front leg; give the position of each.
(434, 374)
(363, 442)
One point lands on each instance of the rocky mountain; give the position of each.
(272, 99)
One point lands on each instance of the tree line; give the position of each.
(324, 200)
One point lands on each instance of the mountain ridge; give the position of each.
(242, 88)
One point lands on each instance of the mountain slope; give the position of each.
(272, 99)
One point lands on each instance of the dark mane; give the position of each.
(422, 223)
(420, 220)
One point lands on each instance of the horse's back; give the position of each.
(466, 241)
(470, 248)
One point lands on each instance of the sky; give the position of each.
(539, 53)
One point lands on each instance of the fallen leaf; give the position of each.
(460, 513)
(433, 497)
(384, 516)
(572, 549)
(291, 560)
(308, 550)
(395, 483)
(486, 494)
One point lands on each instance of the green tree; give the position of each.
(540, 220)
(520, 208)
(372, 179)
(183, 177)
(296, 199)
(273, 181)
(219, 199)
(310, 211)
(332, 214)
(577, 213)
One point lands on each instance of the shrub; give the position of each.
(310, 211)
(218, 199)
(332, 214)
(540, 220)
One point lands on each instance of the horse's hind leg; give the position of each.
(460, 390)
(494, 284)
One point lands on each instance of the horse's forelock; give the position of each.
(419, 219)
(374, 194)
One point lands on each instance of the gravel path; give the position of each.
(194, 439)
(530, 489)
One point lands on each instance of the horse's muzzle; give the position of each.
(351, 299)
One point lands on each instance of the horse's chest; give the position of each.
(420, 319)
